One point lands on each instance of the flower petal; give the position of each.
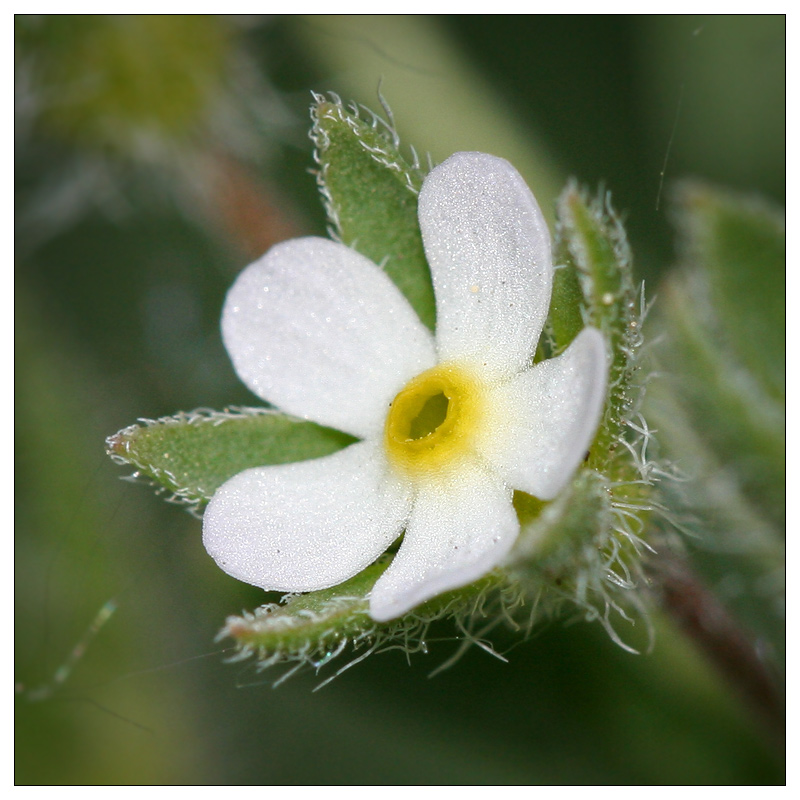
(488, 247)
(317, 329)
(308, 525)
(544, 420)
(456, 534)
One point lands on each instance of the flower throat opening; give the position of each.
(432, 419)
(432, 414)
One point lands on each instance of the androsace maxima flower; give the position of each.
(449, 425)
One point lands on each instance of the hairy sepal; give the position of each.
(308, 631)
(594, 285)
(581, 554)
(370, 193)
(190, 455)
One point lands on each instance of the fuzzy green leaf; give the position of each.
(740, 243)
(370, 194)
(720, 409)
(743, 423)
(192, 455)
(725, 338)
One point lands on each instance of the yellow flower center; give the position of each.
(432, 421)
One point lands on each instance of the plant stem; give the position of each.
(704, 619)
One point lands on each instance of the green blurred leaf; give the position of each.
(740, 243)
(742, 423)
(370, 193)
(726, 336)
(193, 454)
(720, 409)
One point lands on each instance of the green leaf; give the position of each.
(742, 423)
(725, 337)
(370, 192)
(193, 454)
(735, 541)
(740, 243)
(720, 408)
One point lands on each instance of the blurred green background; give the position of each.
(154, 157)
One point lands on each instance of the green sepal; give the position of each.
(314, 623)
(548, 540)
(593, 253)
(582, 551)
(312, 629)
(370, 192)
(192, 454)
(565, 320)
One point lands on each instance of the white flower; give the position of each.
(449, 425)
